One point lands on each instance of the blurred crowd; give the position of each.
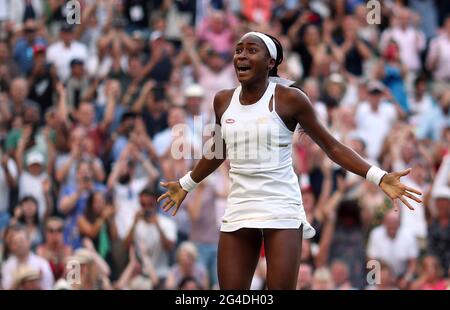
(86, 118)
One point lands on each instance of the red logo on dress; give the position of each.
(229, 121)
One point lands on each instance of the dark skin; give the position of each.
(282, 246)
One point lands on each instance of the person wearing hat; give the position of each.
(194, 95)
(159, 65)
(23, 50)
(63, 51)
(78, 82)
(42, 79)
(34, 181)
(88, 272)
(21, 255)
(27, 278)
(155, 232)
(374, 118)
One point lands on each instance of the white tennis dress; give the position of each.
(265, 192)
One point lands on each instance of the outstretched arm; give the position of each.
(209, 162)
(341, 154)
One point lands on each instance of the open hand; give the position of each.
(394, 189)
(175, 194)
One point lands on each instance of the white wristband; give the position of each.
(187, 183)
(375, 174)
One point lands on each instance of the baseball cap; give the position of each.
(76, 61)
(156, 35)
(66, 27)
(35, 158)
(375, 87)
(194, 90)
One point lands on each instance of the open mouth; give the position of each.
(243, 68)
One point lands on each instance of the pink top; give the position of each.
(438, 286)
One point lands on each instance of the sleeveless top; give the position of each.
(265, 192)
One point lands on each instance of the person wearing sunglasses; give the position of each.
(54, 250)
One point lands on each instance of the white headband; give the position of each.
(267, 41)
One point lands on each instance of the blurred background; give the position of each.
(86, 112)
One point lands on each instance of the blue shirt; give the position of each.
(23, 53)
(71, 233)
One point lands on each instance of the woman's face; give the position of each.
(98, 203)
(251, 59)
(186, 259)
(312, 35)
(29, 209)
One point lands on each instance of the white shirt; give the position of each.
(414, 221)
(395, 252)
(171, 138)
(126, 200)
(30, 185)
(373, 126)
(419, 107)
(440, 47)
(410, 41)
(34, 261)
(148, 235)
(4, 186)
(60, 56)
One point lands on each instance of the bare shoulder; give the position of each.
(291, 98)
(222, 101)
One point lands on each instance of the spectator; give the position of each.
(35, 182)
(436, 118)
(322, 279)
(82, 148)
(386, 279)
(152, 105)
(22, 255)
(431, 275)
(439, 228)
(23, 49)
(394, 245)
(420, 100)
(26, 214)
(18, 101)
(305, 277)
(42, 80)
(97, 224)
(156, 233)
(91, 277)
(77, 83)
(27, 278)
(218, 30)
(415, 221)
(392, 72)
(140, 272)
(73, 199)
(61, 53)
(340, 272)
(202, 213)
(187, 266)
(410, 40)
(437, 61)
(54, 250)
(126, 186)
(374, 119)
(8, 182)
